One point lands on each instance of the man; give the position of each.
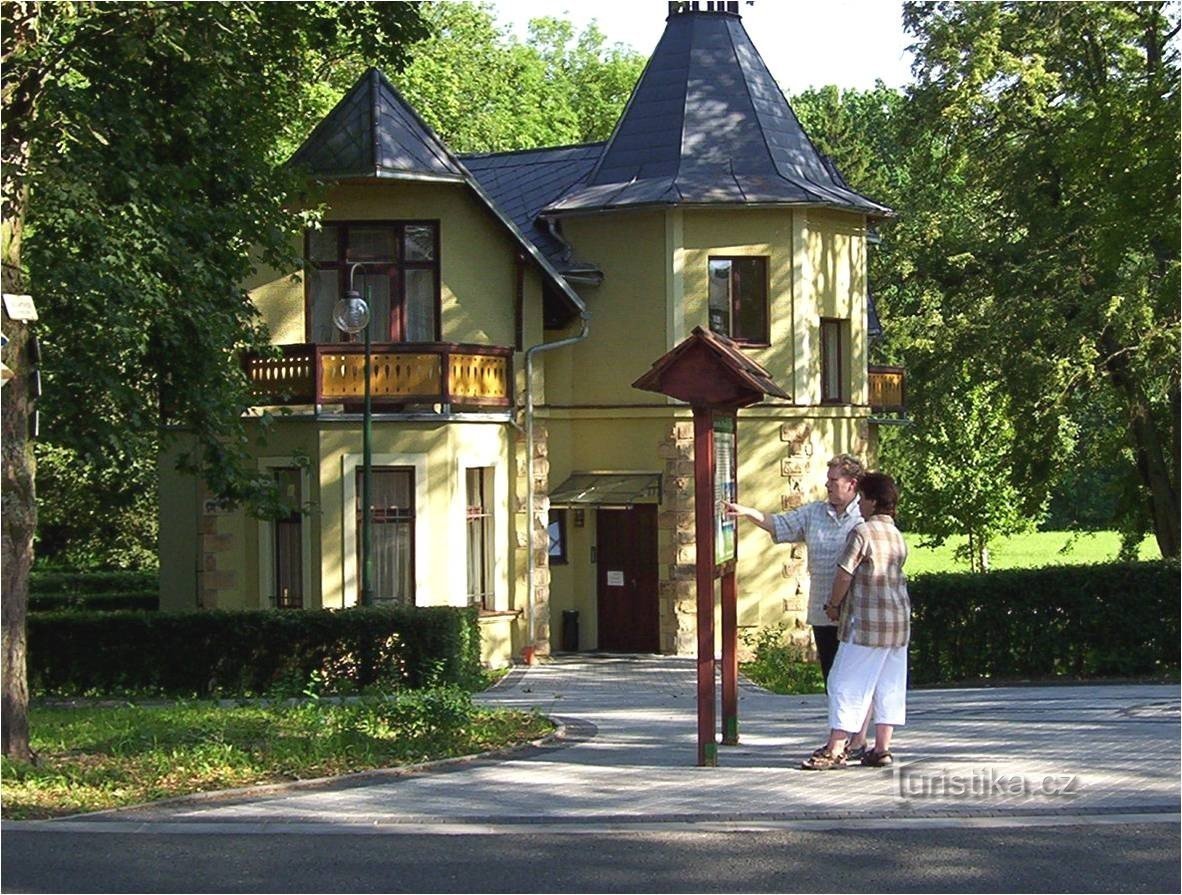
(823, 526)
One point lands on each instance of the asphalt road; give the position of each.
(1094, 857)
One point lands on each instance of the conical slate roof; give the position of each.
(707, 124)
(374, 132)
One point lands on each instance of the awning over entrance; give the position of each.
(607, 489)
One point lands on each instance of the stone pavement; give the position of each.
(626, 759)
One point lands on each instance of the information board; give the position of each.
(725, 489)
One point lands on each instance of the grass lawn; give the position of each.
(108, 757)
(1027, 551)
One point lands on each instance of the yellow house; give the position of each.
(513, 298)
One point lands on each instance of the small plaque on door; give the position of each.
(615, 579)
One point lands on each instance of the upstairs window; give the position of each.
(398, 277)
(834, 338)
(738, 299)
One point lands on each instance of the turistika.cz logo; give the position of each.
(920, 782)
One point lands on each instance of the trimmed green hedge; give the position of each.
(92, 582)
(1110, 620)
(96, 602)
(251, 652)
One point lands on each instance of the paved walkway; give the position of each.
(627, 759)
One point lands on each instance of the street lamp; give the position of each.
(351, 315)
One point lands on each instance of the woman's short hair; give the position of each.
(881, 488)
(848, 465)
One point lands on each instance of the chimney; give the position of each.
(677, 7)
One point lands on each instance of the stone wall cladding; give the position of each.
(677, 543)
(214, 582)
(535, 537)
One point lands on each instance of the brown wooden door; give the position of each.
(626, 568)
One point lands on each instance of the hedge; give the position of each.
(98, 602)
(1104, 620)
(249, 652)
(92, 582)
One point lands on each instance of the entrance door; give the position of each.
(626, 567)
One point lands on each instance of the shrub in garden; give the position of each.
(1102, 620)
(251, 652)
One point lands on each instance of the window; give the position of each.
(391, 534)
(399, 278)
(287, 544)
(738, 299)
(480, 536)
(557, 532)
(833, 375)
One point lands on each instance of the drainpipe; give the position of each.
(529, 459)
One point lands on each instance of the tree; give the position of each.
(483, 91)
(143, 149)
(1060, 122)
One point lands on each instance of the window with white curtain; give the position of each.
(392, 533)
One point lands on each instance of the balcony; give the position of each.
(887, 389)
(470, 376)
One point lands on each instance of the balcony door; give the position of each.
(398, 276)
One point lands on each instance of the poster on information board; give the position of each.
(725, 489)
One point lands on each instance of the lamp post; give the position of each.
(351, 315)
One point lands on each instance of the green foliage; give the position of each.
(110, 602)
(483, 91)
(92, 759)
(253, 652)
(1039, 242)
(156, 189)
(74, 582)
(781, 664)
(97, 515)
(1116, 620)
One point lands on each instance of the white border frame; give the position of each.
(424, 593)
(486, 456)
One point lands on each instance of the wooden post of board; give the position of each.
(730, 659)
(704, 534)
(711, 374)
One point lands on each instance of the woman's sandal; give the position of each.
(875, 759)
(823, 760)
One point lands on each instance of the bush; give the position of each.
(1104, 620)
(95, 602)
(781, 664)
(65, 582)
(251, 652)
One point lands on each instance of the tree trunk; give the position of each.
(1149, 451)
(18, 520)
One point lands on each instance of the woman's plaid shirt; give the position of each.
(877, 610)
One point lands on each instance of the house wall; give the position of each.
(654, 293)
(476, 255)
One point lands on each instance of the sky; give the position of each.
(805, 43)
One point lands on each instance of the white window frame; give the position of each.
(490, 457)
(425, 593)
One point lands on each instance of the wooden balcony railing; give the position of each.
(887, 389)
(400, 373)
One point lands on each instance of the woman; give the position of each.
(870, 603)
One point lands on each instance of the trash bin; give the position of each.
(570, 630)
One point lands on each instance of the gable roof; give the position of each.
(373, 133)
(708, 125)
(710, 369)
